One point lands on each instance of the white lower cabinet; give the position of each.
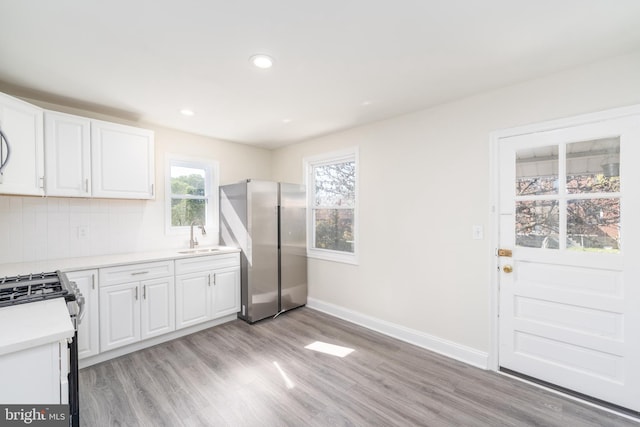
(193, 299)
(207, 287)
(127, 304)
(119, 316)
(88, 328)
(157, 313)
(132, 309)
(43, 385)
(226, 291)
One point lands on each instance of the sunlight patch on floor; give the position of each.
(287, 382)
(334, 350)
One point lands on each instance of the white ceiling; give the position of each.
(150, 58)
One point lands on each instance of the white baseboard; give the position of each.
(450, 349)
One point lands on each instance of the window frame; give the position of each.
(212, 183)
(350, 154)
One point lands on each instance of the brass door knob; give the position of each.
(507, 268)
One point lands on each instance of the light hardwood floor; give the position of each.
(261, 375)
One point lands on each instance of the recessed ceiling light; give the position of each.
(262, 61)
(366, 103)
(187, 112)
(285, 121)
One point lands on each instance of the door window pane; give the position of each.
(537, 224)
(593, 166)
(537, 171)
(593, 225)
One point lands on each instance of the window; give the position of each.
(332, 187)
(576, 207)
(191, 193)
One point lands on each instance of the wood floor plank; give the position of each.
(262, 375)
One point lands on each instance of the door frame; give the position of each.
(494, 165)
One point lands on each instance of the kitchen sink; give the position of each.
(199, 251)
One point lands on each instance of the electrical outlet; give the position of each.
(83, 232)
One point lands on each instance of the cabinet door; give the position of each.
(122, 161)
(119, 315)
(158, 307)
(31, 375)
(226, 291)
(193, 299)
(22, 125)
(67, 155)
(88, 329)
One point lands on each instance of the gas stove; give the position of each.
(43, 286)
(35, 287)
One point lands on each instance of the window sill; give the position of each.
(332, 256)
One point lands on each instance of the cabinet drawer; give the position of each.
(209, 262)
(135, 272)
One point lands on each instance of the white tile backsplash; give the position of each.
(35, 229)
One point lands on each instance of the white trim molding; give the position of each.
(441, 346)
(350, 154)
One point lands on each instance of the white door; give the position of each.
(67, 155)
(119, 315)
(158, 307)
(226, 291)
(193, 295)
(569, 305)
(122, 161)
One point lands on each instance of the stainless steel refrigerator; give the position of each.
(267, 221)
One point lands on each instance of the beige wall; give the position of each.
(424, 182)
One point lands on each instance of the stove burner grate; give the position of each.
(31, 288)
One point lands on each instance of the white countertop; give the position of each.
(34, 324)
(101, 261)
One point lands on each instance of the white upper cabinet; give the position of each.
(93, 158)
(22, 125)
(57, 154)
(67, 155)
(122, 161)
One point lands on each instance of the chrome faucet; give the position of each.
(193, 241)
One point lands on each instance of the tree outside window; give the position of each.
(332, 187)
(191, 193)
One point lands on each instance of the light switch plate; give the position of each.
(478, 232)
